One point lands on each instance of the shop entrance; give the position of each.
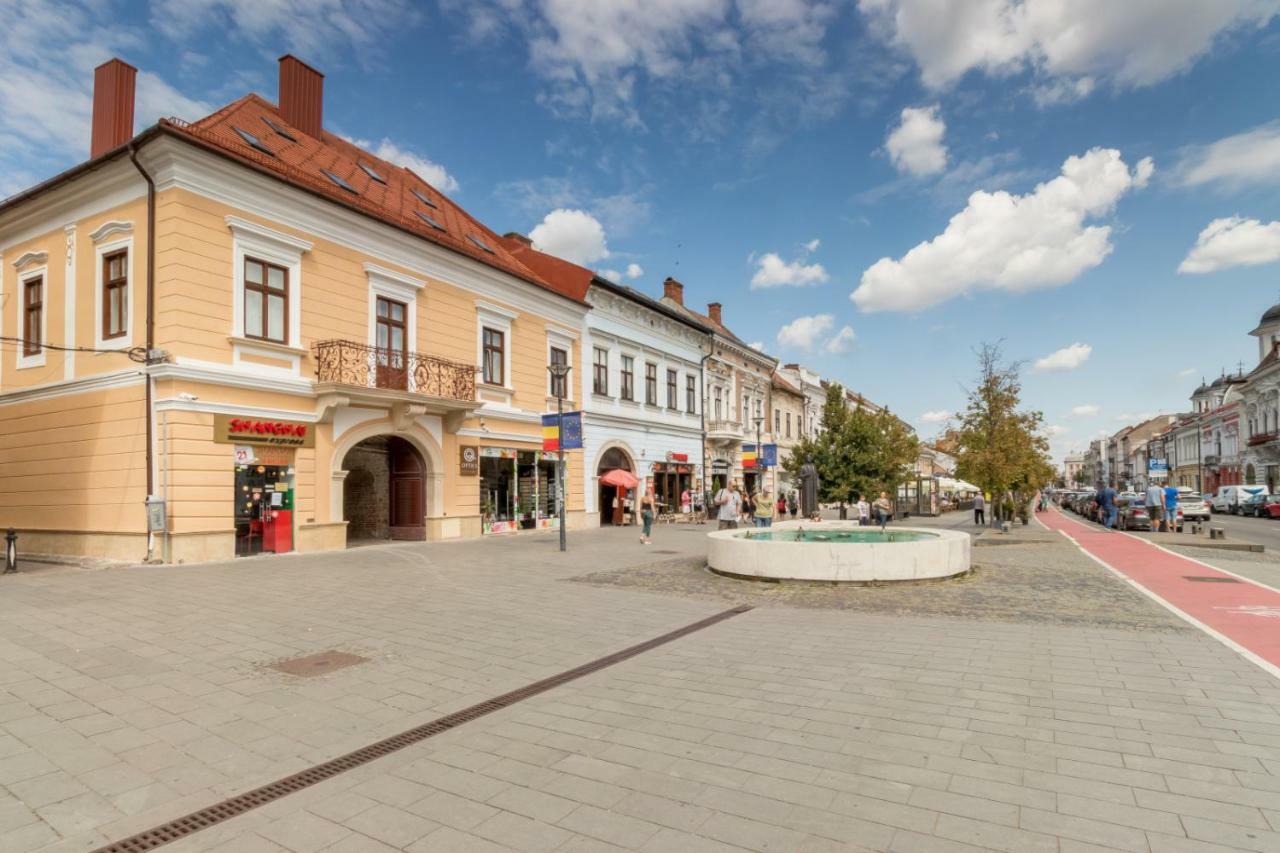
(518, 490)
(613, 501)
(384, 494)
(264, 506)
(670, 482)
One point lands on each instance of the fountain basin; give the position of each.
(838, 552)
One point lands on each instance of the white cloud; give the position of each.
(1010, 242)
(431, 172)
(773, 271)
(1234, 162)
(634, 271)
(611, 275)
(1053, 430)
(915, 145)
(937, 416)
(1233, 242)
(1188, 373)
(574, 235)
(1087, 410)
(1131, 43)
(841, 342)
(757, 345)
(1067, 358)
(812, 245)
(803, 332)
(1062, 91)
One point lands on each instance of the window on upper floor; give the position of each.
(690, 394)
(628, 378)
(115, 295)
(788, 425)
(266, 301)
(718, 404)
(559, 383)
(777, 422)
(673, 390)
(650, 384)
(33, 316)
(600, 371)
(494, 356)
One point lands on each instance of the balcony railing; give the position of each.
(724, 427)
(351, 363)
(1263, 438)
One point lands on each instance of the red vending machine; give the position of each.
(277, 522)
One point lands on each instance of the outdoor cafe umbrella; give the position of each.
(619, 477)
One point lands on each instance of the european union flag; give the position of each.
(571, 434)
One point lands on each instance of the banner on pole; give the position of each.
(572, 437)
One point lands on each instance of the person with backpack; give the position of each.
(729, 507)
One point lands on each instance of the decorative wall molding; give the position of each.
(29, 258)
(111, 228)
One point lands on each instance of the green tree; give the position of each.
(1002, 448)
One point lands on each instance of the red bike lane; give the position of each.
(1243, 614)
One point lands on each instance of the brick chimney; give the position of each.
(673, 290)
(113, 88)
(301, 95)
(713, 311)
(516, 235)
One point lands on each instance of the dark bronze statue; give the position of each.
(809, 490)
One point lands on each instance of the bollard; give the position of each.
(11, 551)
(1216, 531)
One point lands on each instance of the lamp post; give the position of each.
(759, 419)
(559, 383)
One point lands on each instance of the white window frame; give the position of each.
(251, 240)
(103, 245)
(41, 272)
(401, 288)
(563, 340)
(490, 316)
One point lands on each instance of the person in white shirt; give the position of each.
(864, 511)
(729, 503)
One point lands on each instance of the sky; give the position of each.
(871, 187)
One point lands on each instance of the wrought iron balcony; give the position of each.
(1263, 438)
(365, 366)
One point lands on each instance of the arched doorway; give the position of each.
(384, 491)
(612, 500)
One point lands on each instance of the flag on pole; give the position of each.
(572, 431)
(748, 456)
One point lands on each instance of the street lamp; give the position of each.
(560, 383)
(759, 419)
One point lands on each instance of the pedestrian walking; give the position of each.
(979, 510)
(748, 507)
(884, 509)
(699, 507)
(686, 502)
(1155, 506)
(729, 504)
(763, 509)
(864, 511)
(793, 505)
(781, 507)
(1107, 503)
(648, 510)
(1171, 508)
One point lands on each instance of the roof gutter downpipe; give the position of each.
(150, 342)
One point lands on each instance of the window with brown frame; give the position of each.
(115, 294)
(32, 316)
(494, 357)
(628, 378)
(777, 421)
(600, 372)
(650, 384)
(690, 394)
(559, 383)
(673, 395)
(266, 301)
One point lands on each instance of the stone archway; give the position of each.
(388, 482)
(609, 500)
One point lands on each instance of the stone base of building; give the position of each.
(321, 537)
(200, 547)
(126, 547)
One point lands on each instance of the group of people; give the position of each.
(734, 506)
(1161, 504)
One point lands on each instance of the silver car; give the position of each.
(1193, 505)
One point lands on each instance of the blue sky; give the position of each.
(781, 155)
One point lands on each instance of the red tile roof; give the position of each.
(299, 162)
(569, 278)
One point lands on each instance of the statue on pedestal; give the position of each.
(809, 490)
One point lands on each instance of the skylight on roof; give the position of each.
(253, 141)
(426, 217)
(280, 130)
(371, 172)
(422, 197)
(474, 239)
(339, 181)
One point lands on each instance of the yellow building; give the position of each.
(285, 341)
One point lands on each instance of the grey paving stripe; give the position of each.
(241, 803)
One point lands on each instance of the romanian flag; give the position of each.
(550, 436)
(748, 456)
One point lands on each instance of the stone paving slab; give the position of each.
(129, 697)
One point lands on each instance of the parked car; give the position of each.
(1271, 507)
(1230, 498)
(1193, 505)
(1259, 506)
(1133, 514)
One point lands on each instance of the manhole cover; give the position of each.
(1208, 579)
(321, 663)
(666, 552)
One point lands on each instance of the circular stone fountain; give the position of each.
(838, 551)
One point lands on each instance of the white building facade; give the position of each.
(642, 392)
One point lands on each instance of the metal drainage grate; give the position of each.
(1209, 579)
(241, 803)
(321, 663)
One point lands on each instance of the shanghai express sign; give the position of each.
(229, 429)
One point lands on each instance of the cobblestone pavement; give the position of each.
(131, 696)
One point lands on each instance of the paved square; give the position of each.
(1040, 704)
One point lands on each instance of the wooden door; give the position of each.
(392, 342)
(408, 495)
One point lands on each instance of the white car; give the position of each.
(1229, 498)
(1193, 505)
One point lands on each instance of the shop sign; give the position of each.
(231, 429)
(469, 460)
(677, 457)
(498, 453)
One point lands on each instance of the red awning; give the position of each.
(619, 477)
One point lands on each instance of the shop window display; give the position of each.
(517, 490)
